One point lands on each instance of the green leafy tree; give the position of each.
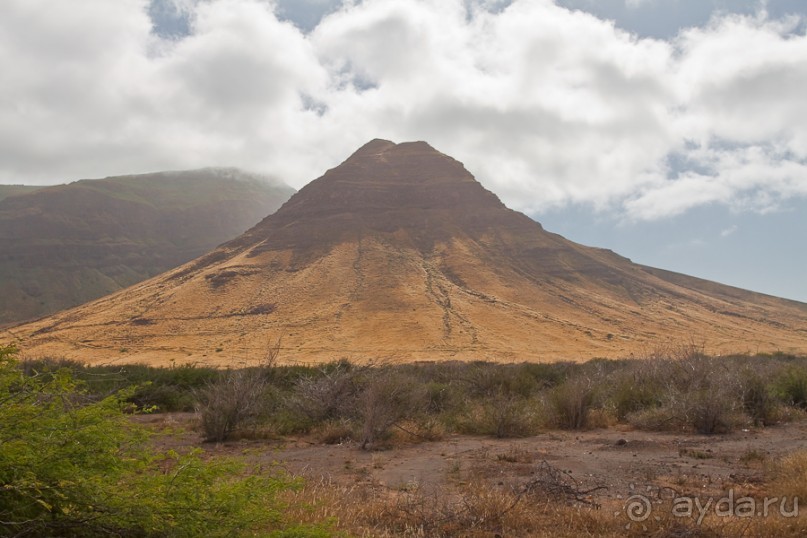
(71, 466)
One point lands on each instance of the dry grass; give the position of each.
(790, 477)
(474, 510)
(478, 509)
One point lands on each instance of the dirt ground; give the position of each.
(617, 462)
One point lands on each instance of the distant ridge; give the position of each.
(14, 190)
(400, 254)
(64, 245)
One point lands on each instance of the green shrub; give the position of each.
(388, 398)
(758, 401)
(506, 415)
(633, 393)
(442, 397)
(545, 375)
(486, 379)
(791, 386)
(160, 389)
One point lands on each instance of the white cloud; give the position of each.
(546, 106)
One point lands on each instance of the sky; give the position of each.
(671, 131)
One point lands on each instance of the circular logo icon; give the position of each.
(638, 508)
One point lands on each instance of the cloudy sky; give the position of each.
(672, 131)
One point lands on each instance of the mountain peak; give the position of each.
(373, 147)
(379, 146)
(408, 189)
(414, 148)
(383, 150)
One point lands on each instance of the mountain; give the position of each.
(64, 245)
(400, 254)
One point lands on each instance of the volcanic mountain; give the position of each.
(400, 254)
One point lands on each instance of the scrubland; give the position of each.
(422, 449)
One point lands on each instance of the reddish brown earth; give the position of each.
(399, 254)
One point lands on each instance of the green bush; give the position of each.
(442, 397)
(505, 416)
(546, 374)
(758, 400)
(791, 386)
(486, 379)
(73, 466)
(163, 389)
(630, 394)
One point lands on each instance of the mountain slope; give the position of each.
(13, 190)
(400, 254)
(64, 245)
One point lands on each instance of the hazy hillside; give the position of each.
(13, 190)
(64, 245)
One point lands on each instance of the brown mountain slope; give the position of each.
(64, 245)
(399, 254)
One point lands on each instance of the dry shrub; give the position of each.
(388, 398)
(510, 416)
(657, 419)
(714, 410)
(702, 412)
(601, 418)
(420, 429)
(236, 399)
(693, 391)
(332, 394)
(231, 402)
(503, 416)
(334, 432)
(789, 414)
(708, 394)
(550, 483)
(571, 402)
(444, 397)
